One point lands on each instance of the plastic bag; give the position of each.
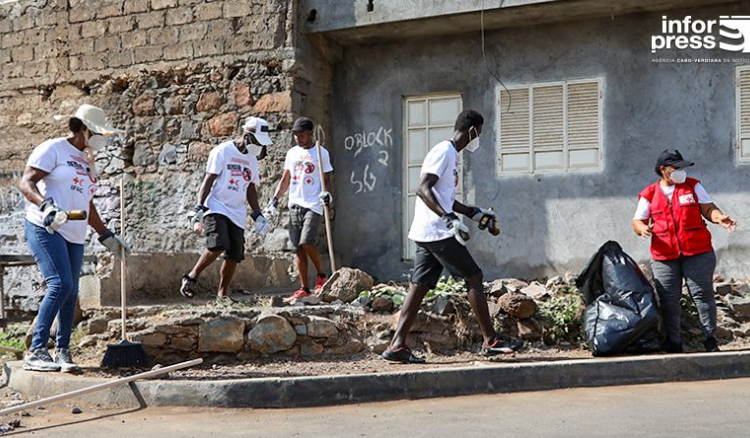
(621, 310)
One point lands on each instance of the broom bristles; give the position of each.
(124, 354)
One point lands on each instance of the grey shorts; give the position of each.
(303, 226)
(432, 257)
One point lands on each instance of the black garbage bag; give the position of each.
(621, 312)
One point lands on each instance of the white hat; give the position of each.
(259, 128)
(95, 120)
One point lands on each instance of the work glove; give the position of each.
(459, 230)
(52, 215)
(261, 223)
(195, 218)
(326, 198)
(114, 243)
(486, 219)
(272, 210)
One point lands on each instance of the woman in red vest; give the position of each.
(671, 213)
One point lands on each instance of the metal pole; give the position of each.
(100, 386)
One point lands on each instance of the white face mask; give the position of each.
(678, 176)
(473, 145)
(96, 142)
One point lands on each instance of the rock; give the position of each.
(278, 301)
(97, 325)
(221, 334)
(271, 334)
(28, 414)
(319, 327)
(739, 305)
(723, 289)
(198, 151)
(223, 125)
(301, 329)
(742, 289)
(518, 305)
(151, 339)
(529, 329)
(493, 308)
(209, 102)
(143, 105)
(182, 343)
(346, 284)
(352, 346)
(143, 155)
(88, 341)
(439, 341)
(274, 103)
(554, 281)
(382, 304)
(76, 410)
(570, 278)
(310, 348)
(378, 346)
(443, 306)
(168, 155)
(514, 283)
(536, 291)
(242, 96)
(496, 288)
(723, 333)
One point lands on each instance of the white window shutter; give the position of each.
(583, 115)
(549, 130)
(514, 120)
(743, 96)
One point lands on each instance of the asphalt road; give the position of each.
(699, 409)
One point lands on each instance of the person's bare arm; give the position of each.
(206, 185)
(31, 176)
(252, 197)
(283, 185)
(95, 221)
(712, 213)
(425, 193)
(642, 228)
(462, 208)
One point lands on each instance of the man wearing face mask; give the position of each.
(671, 213)
(441, 237)
(231, 179)
(59, 178)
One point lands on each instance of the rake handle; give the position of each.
(123, 280)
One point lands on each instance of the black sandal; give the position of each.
(403, 355)
(187, 289)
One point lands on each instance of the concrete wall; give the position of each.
(551, 222)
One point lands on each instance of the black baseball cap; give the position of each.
(672, 157)
(302, 124)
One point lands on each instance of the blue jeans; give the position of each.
(60, 262)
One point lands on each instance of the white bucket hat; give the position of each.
(259, 128)
(95, 120)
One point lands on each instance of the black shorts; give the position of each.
(222, 234)
(303, 226)
(432, 257)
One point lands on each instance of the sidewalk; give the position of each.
(344, 389)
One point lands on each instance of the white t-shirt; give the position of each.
(643, 210)
(304, 185)
(441, 161)
(236, 172)
(69, 183)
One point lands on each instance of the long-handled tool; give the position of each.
(124, 353)
(329, 235)
(100, 386)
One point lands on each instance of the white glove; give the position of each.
(114, 243)
(272, 210)
(477, 214)
(459, 230)
(261, 223)
(326, 198)
(52, 216)
(195, 218)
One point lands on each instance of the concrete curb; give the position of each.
(344, 389)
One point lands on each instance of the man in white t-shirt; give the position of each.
(306, 199)
(231, 180)
(441, 237)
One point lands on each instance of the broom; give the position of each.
(124, 353)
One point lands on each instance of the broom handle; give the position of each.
(123, 282)
(329, 236)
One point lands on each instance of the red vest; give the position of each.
(679, 228)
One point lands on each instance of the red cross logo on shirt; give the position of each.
(233, 182)
(77, 181)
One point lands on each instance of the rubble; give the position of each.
(346, 284)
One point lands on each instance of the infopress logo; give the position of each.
(730, 33)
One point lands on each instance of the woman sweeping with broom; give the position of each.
(59, 182)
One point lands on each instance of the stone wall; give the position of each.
(178, 75)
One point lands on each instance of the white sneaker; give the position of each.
(65, 360)
(40, 360)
